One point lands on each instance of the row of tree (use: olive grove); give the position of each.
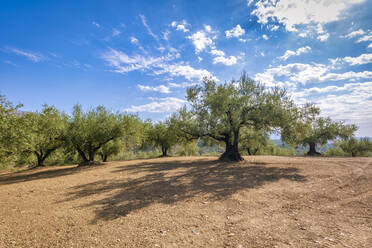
(240, 115)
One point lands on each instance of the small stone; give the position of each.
(231, 234)
(195, 232)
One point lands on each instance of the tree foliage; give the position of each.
(88, 131)
(163, 136)
(312, 130)
(11, 129)
(356, 147)
(45, 132)
(221, 111)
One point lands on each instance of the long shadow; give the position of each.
(169, 183)
(30, 175)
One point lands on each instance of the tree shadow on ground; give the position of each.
(171, 182)
(36, 174)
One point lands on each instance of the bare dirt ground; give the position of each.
(191, 202)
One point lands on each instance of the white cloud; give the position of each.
(264, 36)
(181, 85)
(362, 59)
(35, 57)
(353, 34)
(370, 45)
(201, 41)
(295, 13)
(353, 101)
(217, 52)
(299, 51)
(186, 71)
(115, 32)
(235, 32)
(200, 59)
(365, 38)
(160, 88)
(208, 28)
(133, 40)
(166, 104)
(323, 37)
(224, 60)
(144, 22)
(183, 26)
(123, 63)
(166, 35)
(307, 73)
(96, 24)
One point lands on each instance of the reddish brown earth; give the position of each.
(191, 202)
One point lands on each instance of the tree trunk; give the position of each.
(231, 152)
(40, 159)
(104, 158)
(353, 154)
(312, 151)
(164, 152)
(249, 152)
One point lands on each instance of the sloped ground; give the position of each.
(191, 202)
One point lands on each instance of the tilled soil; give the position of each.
(263, 201)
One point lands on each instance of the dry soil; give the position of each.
(191, 202)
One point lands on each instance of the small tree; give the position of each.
(45, 132)
(163, 136)
(111, 148)
(356, 147)
(312, 130)
(253, 140)
(221, 111)
(88, 131)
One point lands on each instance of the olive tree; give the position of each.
(45, 132)
(163, 136)
(253, 140)
(88, 131)
(221, 111)
(11, 129)
(356, 147)
(310, 129)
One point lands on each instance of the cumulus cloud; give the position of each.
(201, 41)
(224, 60)
(159, 105)
(298, 52)
(365, 38)
(183, 26)
(235, 32)
(294, 14)
(160, 88)
(35, 57)
(217, 52)
(360, 60)
(265, 37)
(307, 73)
(323, 37)
(115, 32)
(353, 34)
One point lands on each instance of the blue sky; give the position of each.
(139, 56)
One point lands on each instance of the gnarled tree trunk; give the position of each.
(312, 151)
(232, 149)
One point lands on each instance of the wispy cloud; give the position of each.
(123, 63)
(96, 24)
(35, 57)
(144, 22)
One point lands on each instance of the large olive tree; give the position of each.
(221, 111)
